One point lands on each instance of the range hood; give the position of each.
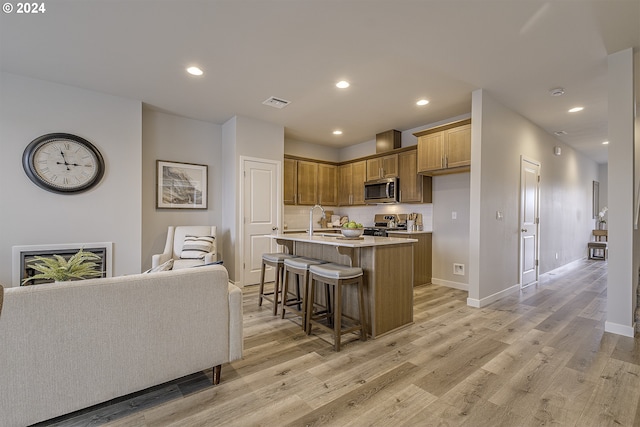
(388, 140)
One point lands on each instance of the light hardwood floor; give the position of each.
(537, 357)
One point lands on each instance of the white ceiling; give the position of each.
(393, 52)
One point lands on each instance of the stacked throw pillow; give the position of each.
(196, 247)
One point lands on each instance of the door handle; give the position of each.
(524, 230)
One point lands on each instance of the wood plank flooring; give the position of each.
(537, 357)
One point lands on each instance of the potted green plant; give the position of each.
(81, 265)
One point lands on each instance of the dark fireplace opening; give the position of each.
(28, 258)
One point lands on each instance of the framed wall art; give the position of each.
(181, 185)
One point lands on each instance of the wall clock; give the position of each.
(63, 163)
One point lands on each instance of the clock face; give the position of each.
(63, 163)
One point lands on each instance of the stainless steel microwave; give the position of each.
(383, 190)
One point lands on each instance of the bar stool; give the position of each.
(336, 276)
(300, 267)
(275, 260)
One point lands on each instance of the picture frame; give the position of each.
(181, 185)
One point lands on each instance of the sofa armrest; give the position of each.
(236, 338)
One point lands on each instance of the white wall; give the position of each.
(499, 137)
(243, 136)
(109, 212)
(311, 151)
(178, 139)
(623, 246)
(450, 242)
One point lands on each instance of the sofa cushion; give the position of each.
(196, 247)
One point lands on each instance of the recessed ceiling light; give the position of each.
(343, 84)
(605, 142)
(422, 102)
(337, 132)
(560, 132)
(558, 91)
(576, 109)
(195, 71)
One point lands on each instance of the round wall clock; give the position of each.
(63, 163)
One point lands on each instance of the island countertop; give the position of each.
(334, 239)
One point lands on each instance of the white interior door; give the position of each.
(529, 220)
(261, 215)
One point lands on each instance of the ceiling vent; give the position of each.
(272, 101)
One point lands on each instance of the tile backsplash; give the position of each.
(297, 217)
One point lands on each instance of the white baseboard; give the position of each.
(450, 284)
(479, 303)
(616, 328)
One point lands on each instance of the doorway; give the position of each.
(529, 221)
(260, 215)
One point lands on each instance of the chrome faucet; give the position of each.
(311, 218)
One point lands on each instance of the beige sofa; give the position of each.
(64, 347)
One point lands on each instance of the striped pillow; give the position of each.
(195, 247)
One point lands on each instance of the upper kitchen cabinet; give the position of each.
(327, 184)
(309, 183)
(445, 149)
(351, 178)
(414, 188)
(290, 181)
(382, 167)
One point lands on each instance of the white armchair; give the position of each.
(174, 244)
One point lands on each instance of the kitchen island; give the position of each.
(387, 263)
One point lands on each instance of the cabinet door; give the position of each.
(458, 146)
(290, 181)
(410, 181)
(307, 183)
(345, 173)
(358, 177)
(327, 182)
(374, 169)
(430, 152)
(389, 166)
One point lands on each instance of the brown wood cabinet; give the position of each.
(382, 167)
(327, 184)
(308, 183)
(422, 270)
(351, 178)
(445, 149)
(414, 188)
(290, 173)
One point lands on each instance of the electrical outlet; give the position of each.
(556, 255)
(458, 269)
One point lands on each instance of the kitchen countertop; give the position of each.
(338, 240)
(409, 232)
(315, 230)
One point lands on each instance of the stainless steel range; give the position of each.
(386, 222)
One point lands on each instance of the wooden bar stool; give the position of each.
(275, 260)
(336, 276)
(300, 268)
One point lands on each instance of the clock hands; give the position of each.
(67, 164)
